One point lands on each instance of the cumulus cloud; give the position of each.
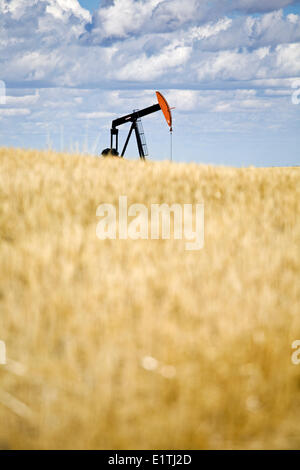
(57, 42)
(255, 6)
(263, 62)
(61, 9)
(26, 100)
(250, 32)
(14, 112)
(95, 115)
(121, 18)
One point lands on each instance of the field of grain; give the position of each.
(123, 344)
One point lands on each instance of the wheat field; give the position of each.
(123, 344)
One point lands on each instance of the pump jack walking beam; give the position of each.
(133, 118)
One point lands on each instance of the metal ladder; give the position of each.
(141, 132)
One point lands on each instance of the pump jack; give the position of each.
(137, 127)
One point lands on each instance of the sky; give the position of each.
(230, 68)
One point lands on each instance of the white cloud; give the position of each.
(26, 100)
(210, 29)
(61, 9)
(184, 100)
(14, 112)
(149, 68)
(120, 18)
(288, 59)
(249, 65)
(293, 18)
(270, 29)
(270, 92)
(124, 17)
(95, 115)
(53, 42)
(255, 6)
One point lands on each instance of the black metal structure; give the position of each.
(136, 126)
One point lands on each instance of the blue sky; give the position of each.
(231, 69)
(90, 4)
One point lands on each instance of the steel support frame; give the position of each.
(133, 117)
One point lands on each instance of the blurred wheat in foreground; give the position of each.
(141, 344)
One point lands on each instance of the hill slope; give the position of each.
(141, 344)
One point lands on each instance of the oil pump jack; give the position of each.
(136, 126)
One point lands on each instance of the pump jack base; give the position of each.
(110, 153)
